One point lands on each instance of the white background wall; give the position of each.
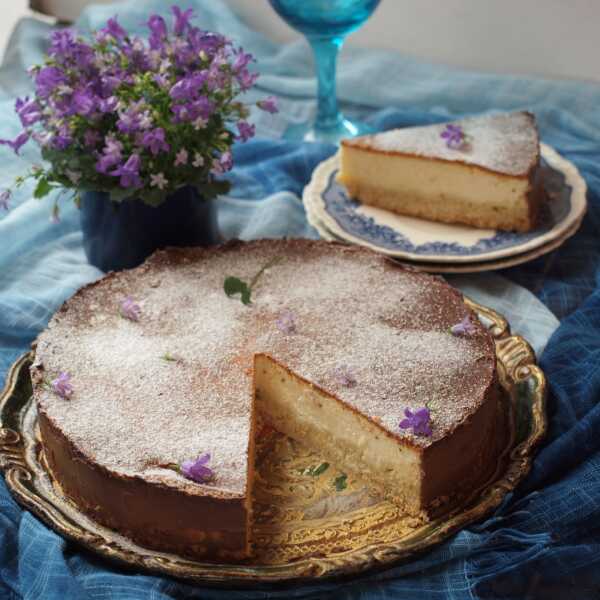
(556, 38)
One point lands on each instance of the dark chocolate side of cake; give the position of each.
(148, 513)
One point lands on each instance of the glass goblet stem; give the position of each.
(325, 51)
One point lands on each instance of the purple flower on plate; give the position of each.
(29, 111)
(197, 470)
(344, 376)
(286, 322)
(455, 137)
(268, 104)
(246, 131)
(129, 172)
(182, 19)
(155, 141)
(465, 327)
(419, 421)
(4, 198)
(62, 385)
(17, 143)
(130, 309)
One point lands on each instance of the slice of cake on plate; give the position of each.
(481, 171)
(145, 371)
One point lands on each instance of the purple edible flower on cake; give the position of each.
(454, 136)
(130, 309)
(62, 385)
(197, 470)
(344, 376)
(286, 323)
(465, 327)
(419, 421)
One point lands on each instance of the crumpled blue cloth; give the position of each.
(544, 541)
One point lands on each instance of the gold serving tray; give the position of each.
(306, 529)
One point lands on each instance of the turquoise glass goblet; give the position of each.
(326, 23)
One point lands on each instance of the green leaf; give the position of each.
(119, 195)
(43, 188)
(233, 286)
(316, 471)
(168, 357)
(340, 482)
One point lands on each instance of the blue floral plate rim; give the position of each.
(329, 202)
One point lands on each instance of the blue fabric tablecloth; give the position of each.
(544, 541)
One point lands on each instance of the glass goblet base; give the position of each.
(344, 128)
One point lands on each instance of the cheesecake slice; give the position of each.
(336, 345)
(481, 171)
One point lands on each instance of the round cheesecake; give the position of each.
(335, 346)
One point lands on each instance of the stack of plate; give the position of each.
(442, 248)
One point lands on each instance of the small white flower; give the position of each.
(74, 176)
(159, 181)
(200, 123)
(145, 120)
(198, 160)
(182, 157)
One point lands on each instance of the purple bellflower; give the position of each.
(419, 421)
(197, 470)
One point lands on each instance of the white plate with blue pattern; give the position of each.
(420, 240)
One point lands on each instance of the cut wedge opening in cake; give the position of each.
(419, 480)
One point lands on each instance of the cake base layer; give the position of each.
(439, 191)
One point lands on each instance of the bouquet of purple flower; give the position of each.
(134, 117)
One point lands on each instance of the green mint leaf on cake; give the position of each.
(234, 285)
(169, 357)
(315, 470)
(340, 482)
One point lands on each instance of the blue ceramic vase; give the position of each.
(122, 235)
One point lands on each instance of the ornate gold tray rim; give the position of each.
(516, 363)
